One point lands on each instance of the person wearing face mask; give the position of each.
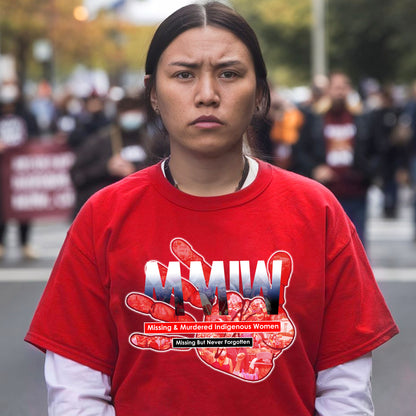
(113, 153)
(90, 119)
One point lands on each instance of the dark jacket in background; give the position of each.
(310, 152)
(90, 172)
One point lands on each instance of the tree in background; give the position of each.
(373, 38)
(366, 38)
(283, 29)
(105, 42)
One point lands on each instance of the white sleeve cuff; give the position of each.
(345, 389)
(74, 389)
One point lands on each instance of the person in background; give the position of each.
(17, 126)
(336, 149)
(42, 106)
(91, 119)
(273, 138)
(410, 113)
(68, 112)
(217, 243)
(391, 131)
(112, 153)
(319, 94)
(287, 121)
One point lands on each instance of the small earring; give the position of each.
(157, 111)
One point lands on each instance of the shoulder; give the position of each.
(311, 203)
(94, 145)
(125, 189)
(111, 205)
(100, 138)
(299, 186)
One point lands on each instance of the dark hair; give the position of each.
(135, 102)
(200, 15)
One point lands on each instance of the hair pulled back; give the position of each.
(200, 15)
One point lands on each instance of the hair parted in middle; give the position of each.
(201, 15)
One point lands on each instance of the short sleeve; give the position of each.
(73, 317)
(357, 319)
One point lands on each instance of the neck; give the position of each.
(201, 176)
(338, 106)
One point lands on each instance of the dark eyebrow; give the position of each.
(193, 65)
(228, 63)
(184, 64)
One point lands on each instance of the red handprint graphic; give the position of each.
(233, 310)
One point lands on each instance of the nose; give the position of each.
(207, 93)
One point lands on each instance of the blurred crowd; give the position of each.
(108, 134)
(344, 137)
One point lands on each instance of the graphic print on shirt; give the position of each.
(340, 144)
(244, 327)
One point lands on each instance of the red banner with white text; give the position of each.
(35, 181)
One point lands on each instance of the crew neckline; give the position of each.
(253, 168)
(212, 203)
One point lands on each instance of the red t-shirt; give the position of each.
(212, 305)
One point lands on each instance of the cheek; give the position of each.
(172, 111)
(245, 104)
(173, 121)
(165, 98)
(168, 104)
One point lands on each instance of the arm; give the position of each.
(345, 389)
(75, 388)
(309, 151)
(91, 161)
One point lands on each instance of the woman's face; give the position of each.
(205, 91)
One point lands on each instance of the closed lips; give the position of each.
(207, 119)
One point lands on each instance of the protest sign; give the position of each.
(36, 181)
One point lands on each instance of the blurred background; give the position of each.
(72, 120)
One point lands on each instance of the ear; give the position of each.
(149, 83)
(259, 98)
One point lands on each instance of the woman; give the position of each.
(163, 270)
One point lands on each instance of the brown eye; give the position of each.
(184, 75)
(228, 74)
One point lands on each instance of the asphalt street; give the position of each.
(392, 252)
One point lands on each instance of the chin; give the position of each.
(214, 150)
(207, 145)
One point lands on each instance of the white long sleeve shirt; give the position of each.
(77, 390)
